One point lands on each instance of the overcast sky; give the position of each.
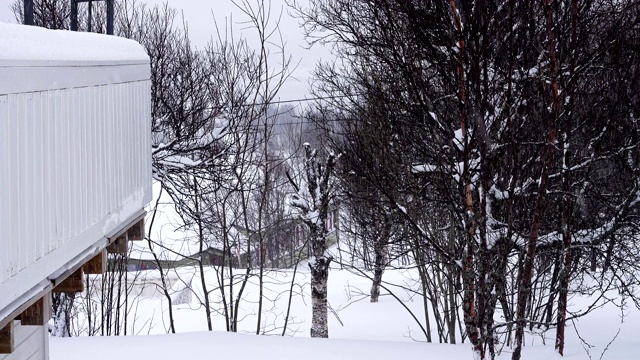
(199, 15)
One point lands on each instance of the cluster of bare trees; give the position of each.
(497, 142)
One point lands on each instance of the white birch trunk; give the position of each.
(313, 206)
(61, 316)
(319, 278)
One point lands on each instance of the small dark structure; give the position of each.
(29, 20)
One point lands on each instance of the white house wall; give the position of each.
(31, 343)
(75, 163)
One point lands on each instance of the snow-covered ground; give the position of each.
(219, 345)
(358, 328)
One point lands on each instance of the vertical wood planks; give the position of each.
(4, 190)
(70, 158)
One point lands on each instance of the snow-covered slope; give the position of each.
(358, 328)
(219, 345)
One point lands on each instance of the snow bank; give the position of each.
(358, 328)
(203, 345)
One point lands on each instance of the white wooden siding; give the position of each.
(30, 343)
(74, 156)
(75, 163)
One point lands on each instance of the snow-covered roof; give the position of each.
(32, 43)
(34, 59)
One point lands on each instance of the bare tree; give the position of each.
(312, 199)
(496, 137)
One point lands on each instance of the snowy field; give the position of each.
(358, 328)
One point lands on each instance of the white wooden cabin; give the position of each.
(75, 168)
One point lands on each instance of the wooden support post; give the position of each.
(136, 232)
(73, 283)
(28, 12)
(74, 15)
(119, 246)
(110, 17)
(97, 265)
(6, 339)
(37, 314)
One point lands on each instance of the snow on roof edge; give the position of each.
(32, 43)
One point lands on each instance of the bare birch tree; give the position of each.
(312, 199)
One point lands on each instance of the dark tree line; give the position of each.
(503, 137)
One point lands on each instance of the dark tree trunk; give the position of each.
(525, 286)
(380, 250)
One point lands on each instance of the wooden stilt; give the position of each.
(97, 265)
(37, 314)
(73, 283)
(136, 232)
(119, 246)
(6, 339)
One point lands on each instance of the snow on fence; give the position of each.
(75, 162)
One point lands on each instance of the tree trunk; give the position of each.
(525, 286)
(203, 282)
(563, 289)
(419, 257)
(314, 215)
(380, 250)
(62, 305)
(319, 277)
(377, 279)
(567, 208)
